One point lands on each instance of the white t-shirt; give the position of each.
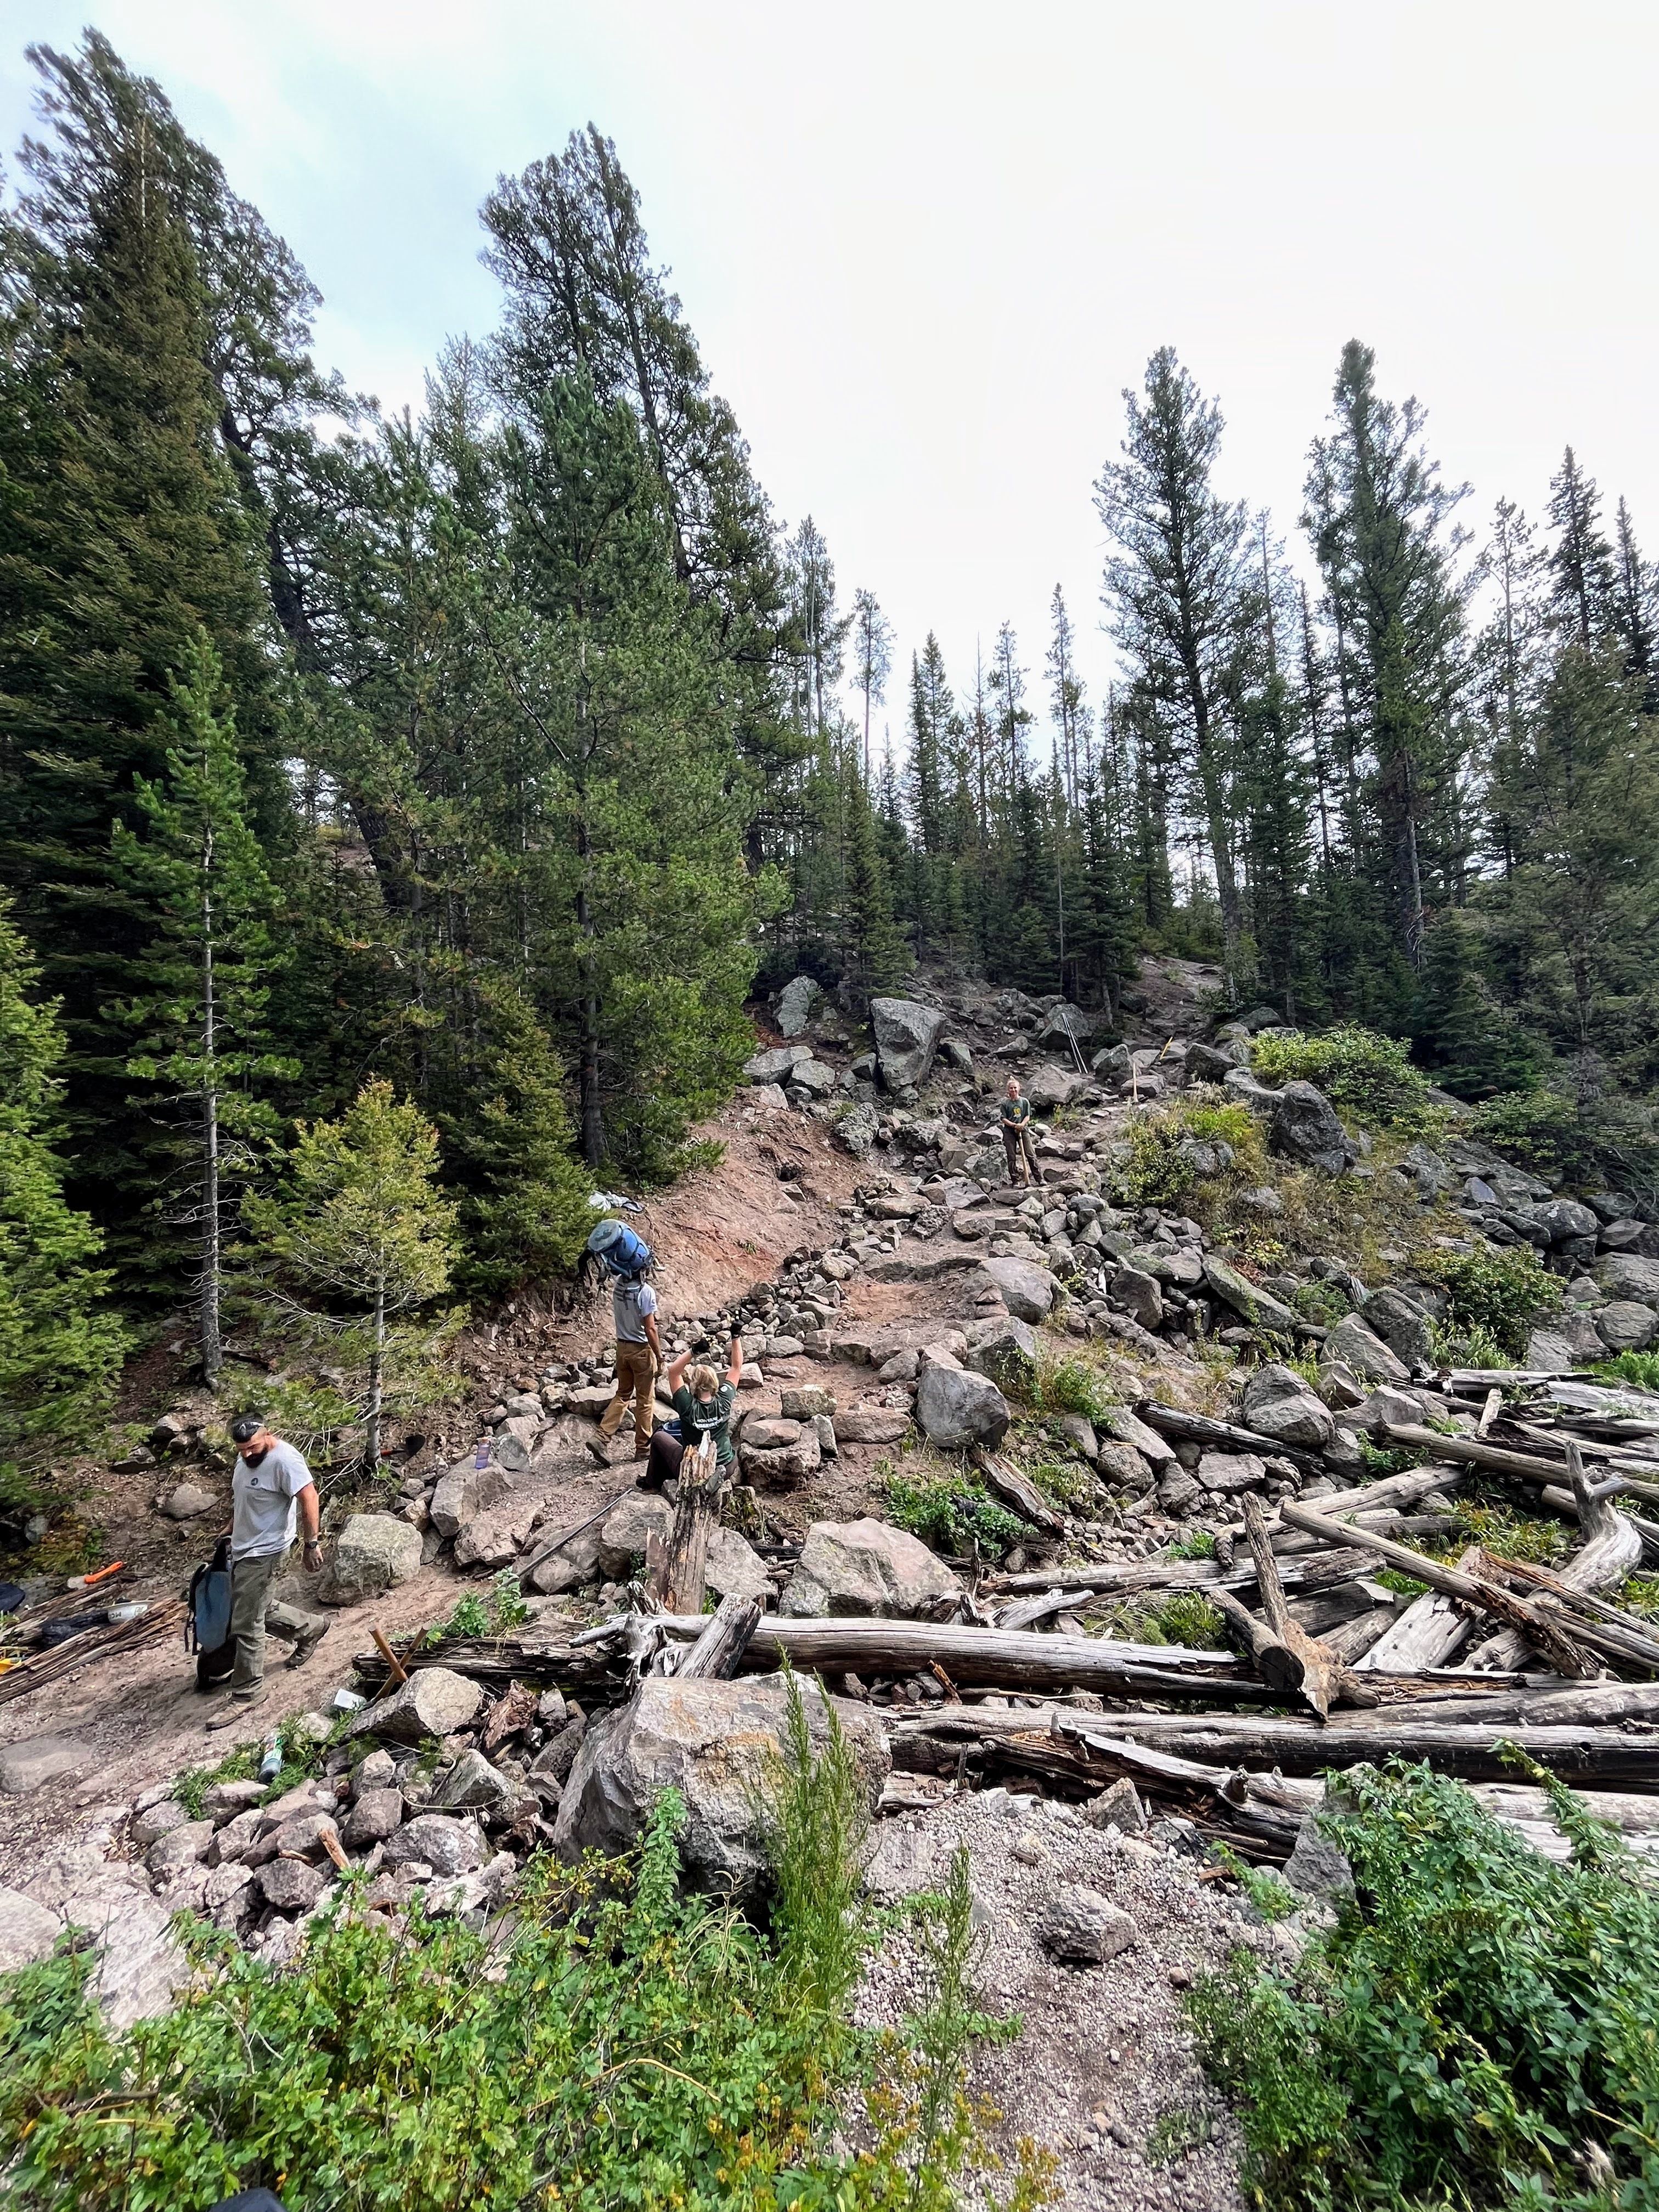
(631, 1300)
(262, 1507)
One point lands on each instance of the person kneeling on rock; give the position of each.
(1016, 1136)
(703, 1404)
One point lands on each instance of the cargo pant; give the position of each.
(253, 1611)
(1020, 1154)
(636, 1376)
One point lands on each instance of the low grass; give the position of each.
(1640, 1368)
(952, 1512)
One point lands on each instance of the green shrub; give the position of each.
(1501, 1293)
(952, 1512)
(1156, 1174)
(1071, 1385)
(1508, 1534)
(1640, 1368)
(1481, 2028)
(477, 1613)
(1366, 1076)
(1610, 1144)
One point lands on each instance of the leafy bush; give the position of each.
(1609, 1143)
(1364, 1075)
(1071, 1385)
(1157, 1173)
(476, 1615)
(619, 2044)
(1640, 1368)
(1502, 1292)
(951, 1512)
(302, 1755)
(1479, 2029)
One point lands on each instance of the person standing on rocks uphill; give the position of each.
(638, 1349)
(270, 1492)
(1016, 1136)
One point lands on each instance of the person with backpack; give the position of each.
(639, 1350)
(271, 1493)
(703, 1403)
(1016, 1137)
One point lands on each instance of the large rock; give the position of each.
(433, 1701)
(462, 1492)
(1304, 1128)
(1006, 1351)
(1562, 1218)
(718, 1744)
(778, 1065)
(1278, 1404)
(1248, 1299)
(1214, 1063)
(1566, 1341)
(623, 1535)
(1138, 1294)
(1401, 1324)
(188, 1501)
(1230, 1471)
(857, 1129)
(375, 1553)
(816, 1076)
(1083, 1927)
(1361, 1349)
(869, 1569)
(374, 1815)
(1027, 1292)
(1628, 1275)
(907, 1036)
(1249, 1090)
(36, 1760)
(784, 1465)
(870, 1424)
(956, 1408)
(1050, 1087)
(27, 1931)
(1112, 1064)
(449, 1845)
(1064, 1022)
(293, 1884)
(734, 1568)
(795, 1002)
(1623, 1326)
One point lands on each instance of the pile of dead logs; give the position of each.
(1330, 1666)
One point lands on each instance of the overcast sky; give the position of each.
(924, 246)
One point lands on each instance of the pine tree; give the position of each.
(874, 956)
(60, 1346)
(1472, 1046)
(360, 1241)
(872, 635)
(1635, 611)
(1175, 586)
(1584, 588)
(201, 987)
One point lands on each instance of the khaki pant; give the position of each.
(253, 1611)
(1017, 1149)
(636, 1376)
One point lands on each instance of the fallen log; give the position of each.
(1225, 1435)
(1016, 1490)
(1471, 1751)
(1612, 1549)
(1318, 1569)
(1355, 1637)
(1288, 1660)
(1006, 1658)
(715, 1656)
(1430, 1629)
(1543, 1629)
(1529, 1467)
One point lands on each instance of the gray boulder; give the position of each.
(907, 1035)
(1228, 1472)
(778, 1065)
(734, 1568)
(1563, 1218)
(1278, 1404)
(27, 1931)
(1082, 1928)
(814, 1076)
(375, 1553)
(374, 1815)
(448, 1845)
(785, 1465)
(1214, 1063)
(1027, 1292)
(473, 1786)
(956, 1408)
(1304, 1128)
(1051, 1087)
(1112, 1064)
(625, 1528)
(463, 1492)
(870, 1424)
(1362, 1350)
(870, 1569)
(35, 1760)
(856, 1130)
(1564, 1342)
(433, 1701)
(1118, 1807)
(1402, 1326)
(1248, 1299)
(187, 1501)
(718, 1744)
(1316, 1867)
(1006, 1351)
(1250, 1091)
(1625, 1326)
(1629, 1275)
(292, 1884)
(1063, 1023)
(1140, 1296)
(795, 1002)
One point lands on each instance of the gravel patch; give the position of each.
(1104, 2068)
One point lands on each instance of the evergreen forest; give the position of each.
(486, 762)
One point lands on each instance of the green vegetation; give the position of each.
(1640, 1368)
(1479, 2030)
(477, 1614)
(641, 2047)
(1497, 1529)
(1500, 1293)
(1072, 1384)
(1159, 1171)
(302, 1755)
(1595, 1142)
(1267, 1891)
(953, 1513)
(1185, 1618)
(1367, 1077)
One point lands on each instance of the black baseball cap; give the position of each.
(245, 1427)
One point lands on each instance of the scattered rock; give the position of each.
(1305, 1127)
(1315, 1866)
(1363, 1351)
(187, 1502)
(149, 1826)
(447, 1845)
(1248, 1300)
(857, 1130)
(472, 1784)
(1278, 1404)
(293, 1884)
(1027, 1292)
(1006, 1351)
(1118, 1808)
(375, 1814)
(870, 1424)
(1082, 1928)
(956, 1408)
(801, 1402)
(465, 1492)
(27, 1931)
(180, 1847)
(1623, 1326)
(1140, 1296)
(778, 1065)
(375, 1552)
(433, 1701)
(1401, 1324)
(622, 1535)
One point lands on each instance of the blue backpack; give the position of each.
(617, 1247)
(207, 1624)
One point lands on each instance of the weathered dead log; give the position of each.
(1286, 1658)
(717, 1653)
(1014, 1489)
(1317, 1570)
(1611, 1550)
(1432, 1628)
(1472, 1751)
(1359, 1636)
(1545, 1630)
(696, 1515)
(1529, 1467)
(1006, 1658)
(1225, 1435)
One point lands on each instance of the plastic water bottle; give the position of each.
(271, 1764)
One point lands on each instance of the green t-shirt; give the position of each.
(1015, 1113)
(713, 1420)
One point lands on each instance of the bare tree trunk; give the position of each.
(212, 1346)
(376, 1375)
